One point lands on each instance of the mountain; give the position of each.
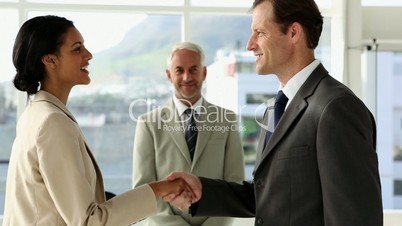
(143, 51)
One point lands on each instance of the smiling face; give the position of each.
(73, 60)
(270, 45)
(187, 74)
(67, 67)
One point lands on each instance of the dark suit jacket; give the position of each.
(319, 168)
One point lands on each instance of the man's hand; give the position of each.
(175, 187)
(184, 200)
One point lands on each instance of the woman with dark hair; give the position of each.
(53, 179)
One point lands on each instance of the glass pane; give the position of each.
(398, 187)
(398, 194)
(127, 71)
(115, 2)
(323, 50)
(389, 122)
(8, 101)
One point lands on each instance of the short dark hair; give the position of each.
(305, 12)
(37, 37)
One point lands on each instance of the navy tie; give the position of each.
(190, 132)
(280, 103)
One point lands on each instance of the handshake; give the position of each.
(180, 189)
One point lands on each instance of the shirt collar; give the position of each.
(182, 107)
(294, 84)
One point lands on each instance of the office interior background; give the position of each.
(361, 46)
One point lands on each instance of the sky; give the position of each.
(93, 25)
(100, 31)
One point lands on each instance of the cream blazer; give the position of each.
(160, 148)
(53, 179)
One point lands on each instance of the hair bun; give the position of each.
(25, 83)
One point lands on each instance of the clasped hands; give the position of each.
(180, 189)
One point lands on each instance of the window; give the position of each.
(219, 34)
(398, 68)
(130, 40)
(398, 153)
(389, 135)
(258, 98)
(250, 133)
(323, 50)
(398, 187)
(8, 94)
(245, 67)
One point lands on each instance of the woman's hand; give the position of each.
(183, 201)
(173, 188)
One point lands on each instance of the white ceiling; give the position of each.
(383, 24)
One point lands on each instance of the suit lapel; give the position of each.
(45, 96)
(207, 117)
(294, 110)
(265, 127)
(172, 119)
(100, 196)
(287, 120)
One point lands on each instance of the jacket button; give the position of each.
(260, 221)
(259, 184)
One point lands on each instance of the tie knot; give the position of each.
(281, 98)
(189, 111)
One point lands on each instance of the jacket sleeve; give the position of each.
(348, 164)
(222, 198)
(70, 179)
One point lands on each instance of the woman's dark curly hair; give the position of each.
(37, 37)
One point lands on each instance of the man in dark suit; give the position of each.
(317, 165)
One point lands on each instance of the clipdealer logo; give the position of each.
(214, 115)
